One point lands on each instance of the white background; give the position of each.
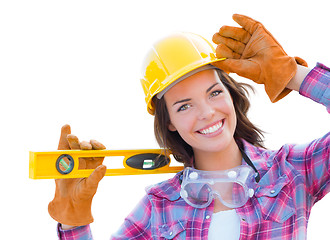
(78, 62)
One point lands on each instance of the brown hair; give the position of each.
(183, 152)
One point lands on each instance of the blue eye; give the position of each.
(215, 93)
(184, 107)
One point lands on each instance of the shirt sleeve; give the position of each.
(316, 85)
(78, 233)
(313, 159)
(137, 224)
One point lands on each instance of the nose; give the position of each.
(206, 111)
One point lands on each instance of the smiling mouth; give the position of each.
(212, 128)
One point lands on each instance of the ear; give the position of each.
(171, 127)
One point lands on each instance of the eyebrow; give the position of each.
(183, 100)
(188, 99)
(210, 88)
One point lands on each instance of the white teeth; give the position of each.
(212, 129)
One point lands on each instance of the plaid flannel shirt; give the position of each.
(293, 179)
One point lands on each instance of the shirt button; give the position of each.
(207, 217)
(272, 191)
(171, 233)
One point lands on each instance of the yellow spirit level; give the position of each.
(65, 163)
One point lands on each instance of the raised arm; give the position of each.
(297, 80)
(252, 52)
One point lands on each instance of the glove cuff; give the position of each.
(70, 215)
(276, 88)
(301, 61)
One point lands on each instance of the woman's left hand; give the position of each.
(72, 202)
(253, 52)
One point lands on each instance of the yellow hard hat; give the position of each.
(170, 59)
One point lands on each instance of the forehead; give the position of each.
(199, 81)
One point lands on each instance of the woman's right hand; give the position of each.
(72, 202)
(252, 52)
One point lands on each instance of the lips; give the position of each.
(212, 129)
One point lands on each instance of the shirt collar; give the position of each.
(169, 189)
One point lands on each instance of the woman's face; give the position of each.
(202, 111)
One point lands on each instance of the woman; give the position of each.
(200, 115)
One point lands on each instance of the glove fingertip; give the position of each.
(97, 145)
(222, 65)
(98, 174)
(102, 169)
(73, 141)
(215, 38)
(236, 17)
(66, 127)
(249, 24)
(85, 145)
(63, 143)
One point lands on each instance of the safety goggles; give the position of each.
(233, 187)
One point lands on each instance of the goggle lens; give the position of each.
(201, 194)
(198, 189)
(197, 194)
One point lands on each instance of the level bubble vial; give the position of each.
(64, 164)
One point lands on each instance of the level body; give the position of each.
(44, 165)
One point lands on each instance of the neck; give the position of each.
(227, 158)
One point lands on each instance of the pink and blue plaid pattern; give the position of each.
(293, 179)
(316, 85)
(81, 233)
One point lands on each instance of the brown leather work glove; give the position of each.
(252, 52)
(73, 197)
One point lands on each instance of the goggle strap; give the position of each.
(249, 162)
(246, 159)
